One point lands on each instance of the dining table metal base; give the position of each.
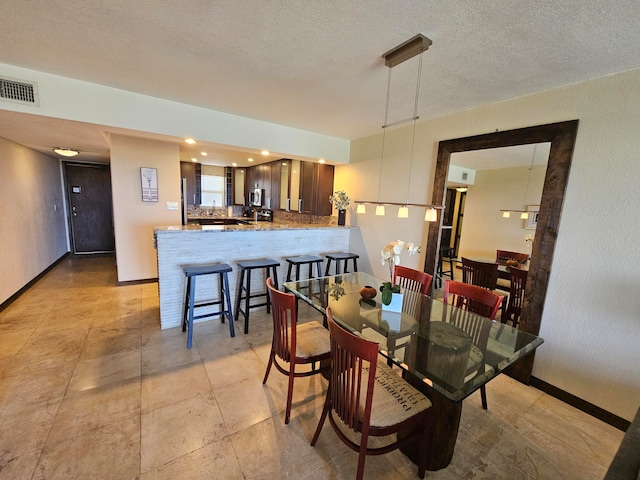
(444, 427)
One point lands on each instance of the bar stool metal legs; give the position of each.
(244, 287)
(191, 272)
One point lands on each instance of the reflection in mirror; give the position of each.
(562, 136)
(294, 187)
(495, 179)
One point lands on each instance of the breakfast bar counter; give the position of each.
(194, 244)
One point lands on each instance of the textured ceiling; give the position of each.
(316, 64)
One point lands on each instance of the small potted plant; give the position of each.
(390, 254)
(340, 201)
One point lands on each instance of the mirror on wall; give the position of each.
(561, 137)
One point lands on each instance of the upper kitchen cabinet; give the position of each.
(192, 172)
(316, 185)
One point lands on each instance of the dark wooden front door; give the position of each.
(90, 209)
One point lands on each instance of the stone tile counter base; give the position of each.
(177, 246)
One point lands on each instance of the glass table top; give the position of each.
(453, 351)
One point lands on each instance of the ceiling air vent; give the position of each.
(19, 91)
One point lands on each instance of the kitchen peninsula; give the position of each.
(192, 245)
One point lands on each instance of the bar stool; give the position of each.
(444, 252)
(303, 260)
(244, 285)
(339, 257)
(193, 271)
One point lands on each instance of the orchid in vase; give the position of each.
(390, 255)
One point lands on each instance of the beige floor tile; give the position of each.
(215, 460)
(170, 432)
(95, 409)
(19, 467)
(20, 391)
(96, 372)
(12, 342)
(110, 452)
(249, 402)
(168, 354)
(232, 369)
(173, 385)
(24, 430)
(106, 340)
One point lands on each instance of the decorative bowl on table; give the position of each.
(368, 292)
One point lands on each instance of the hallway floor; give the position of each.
(91, 388)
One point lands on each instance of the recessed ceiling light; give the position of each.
(194, 159)
(66, 152)
(265, 152)
(190, 141)
(234, 164)
(204, 154)
(250, 159)
(322, 160)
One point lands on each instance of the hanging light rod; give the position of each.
(406, 50)
(399, 204)
(400, 122)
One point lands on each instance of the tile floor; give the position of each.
(91, 388)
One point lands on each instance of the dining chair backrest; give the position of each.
(285, 316)
(472, 298)
(411, 279)
(502, 256)
(518, 283)
(353, 359)
(481, 274)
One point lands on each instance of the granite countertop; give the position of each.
(252, 227)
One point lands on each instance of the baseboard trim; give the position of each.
(593, 410)
(137, 282)
(17, 295)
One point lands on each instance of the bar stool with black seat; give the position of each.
(270, 267)
(193, 271)
(341, 257)
(445, 253)
(304, 260)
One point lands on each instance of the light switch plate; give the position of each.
(171, 205)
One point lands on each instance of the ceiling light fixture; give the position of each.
(190, 141)
(322, 160)
(409, 49)
(461, 189)
(524, 214)
(250, 159)
(66, 152)
(204, 154)
(265, 152)
(193, 159)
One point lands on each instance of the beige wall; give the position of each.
(134, 219)
(33, 231)
(591, 322)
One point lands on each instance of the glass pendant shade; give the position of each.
(431, 215)
(506, 214)
(361, 208)
(524, 215)
(403, 212)
(380, 210)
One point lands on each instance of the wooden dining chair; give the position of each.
(481, 274)
(367, 397)
(482, 302)
(294, 343)
(503, 256)
(518, 282)
(411, 279)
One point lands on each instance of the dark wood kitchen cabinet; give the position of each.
(316, 185)
(192, 172)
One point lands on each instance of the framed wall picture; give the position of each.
(532, 222)
(149, 184)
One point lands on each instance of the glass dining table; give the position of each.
(445, 352)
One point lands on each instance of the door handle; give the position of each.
(300, 206)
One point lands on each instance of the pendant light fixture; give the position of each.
(66, 152)
(409, 49)
(524, 214)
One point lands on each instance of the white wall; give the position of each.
(33, 231)
(591, 319)
(483, 229)
(134, 219)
